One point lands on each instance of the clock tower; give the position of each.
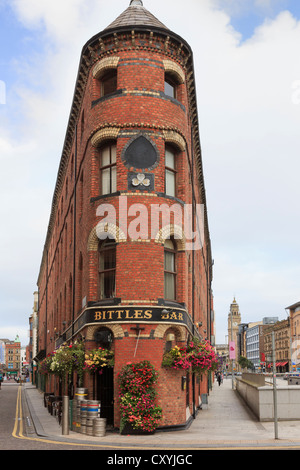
(234, 316)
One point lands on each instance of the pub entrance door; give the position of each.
(105, 380)
(105, 394)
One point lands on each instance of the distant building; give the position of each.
(13, 357)
(281, 331)
(222, 351)
(33, 337)
(234, 319)
(242, 339)
(294, 311)
(255, 348)
(2, 354)
(253, 343)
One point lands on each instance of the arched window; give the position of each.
(109, 82)
(170, 171)
(104, 338)
(170, 86)
(170, 270)
(107, 269)
(108, 168)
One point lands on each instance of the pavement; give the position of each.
(225, 422)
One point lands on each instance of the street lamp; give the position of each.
(274, 387)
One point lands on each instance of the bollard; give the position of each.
(65, 415)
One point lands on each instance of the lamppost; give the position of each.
(274, 387)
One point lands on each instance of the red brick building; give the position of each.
(112, 273)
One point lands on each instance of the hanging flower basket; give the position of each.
(139, 412)
(198, 355)
(45, 364)
(65, 360)
(96, 359)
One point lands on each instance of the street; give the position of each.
(226, 423)
(16, 428)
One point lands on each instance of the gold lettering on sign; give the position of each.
(128, 317)
(97, 316)
(110, 312)
(172, 316)
(136, 314)
(119, 312)
(148, 313)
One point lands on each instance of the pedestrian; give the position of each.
(219, 379)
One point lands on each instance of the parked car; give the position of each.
(287, 375)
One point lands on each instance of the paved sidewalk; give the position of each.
(226, 422)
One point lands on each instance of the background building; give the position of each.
(33, 338)
(294, 311)
(13, 357)
(223, 353)
(242, 350)
(234, 319)
(282, 335)
(253, 343)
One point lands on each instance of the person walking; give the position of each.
(219, 379)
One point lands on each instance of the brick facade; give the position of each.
(137, 115)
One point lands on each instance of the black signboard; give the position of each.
(134, 314)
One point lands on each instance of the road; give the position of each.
(16, 429)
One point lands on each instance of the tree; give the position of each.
(245, 363)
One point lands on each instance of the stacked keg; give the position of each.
(99, 427)
(80, 396)
(92, 413)
(86, 415)
(83, 415)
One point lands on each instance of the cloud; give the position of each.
(10, 332)
(239, 8)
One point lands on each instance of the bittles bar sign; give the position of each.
(134, 314)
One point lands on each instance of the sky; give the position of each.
(247, 67)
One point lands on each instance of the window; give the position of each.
(109, 82)
(170, 172)
(108, 169)
(82, 125)
(107, 269)
(170, 86)
(170, 270)
(104, 338)
(81, 186)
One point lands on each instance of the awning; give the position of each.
(40, 355)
